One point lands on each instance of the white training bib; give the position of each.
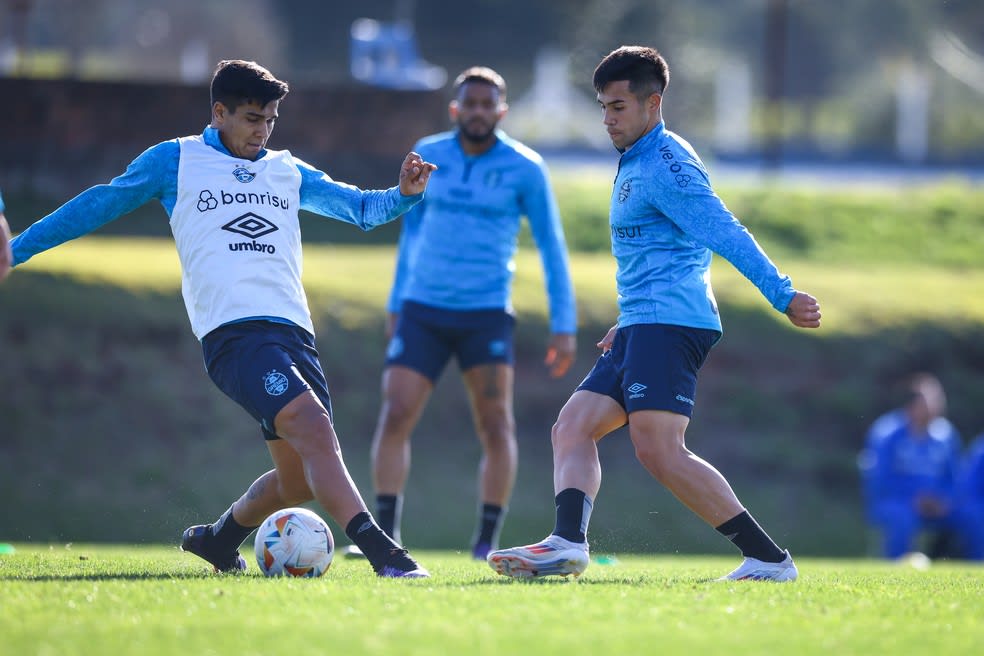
(239, 241)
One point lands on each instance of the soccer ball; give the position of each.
(294, 542)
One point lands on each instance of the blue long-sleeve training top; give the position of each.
(665, 223)
(154, 175)
(457, 245)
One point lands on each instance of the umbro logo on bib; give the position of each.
(250, 225)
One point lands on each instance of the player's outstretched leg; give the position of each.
(551, 556)
(200, 540)
(753, 569)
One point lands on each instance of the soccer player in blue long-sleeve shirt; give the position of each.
(451, 295)
(665, 222)
(233, 208)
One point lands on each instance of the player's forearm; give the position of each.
(86, 212)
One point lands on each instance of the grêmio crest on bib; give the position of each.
(243, 174)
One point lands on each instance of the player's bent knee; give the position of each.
(564, 435)
(303, 417)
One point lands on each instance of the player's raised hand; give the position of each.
(804, 311)
(414, 174)
(606, 342)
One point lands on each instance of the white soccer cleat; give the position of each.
(753, 569)
(353, 551)
(551, 556)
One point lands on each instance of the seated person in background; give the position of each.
(970, 499)
(909, 467)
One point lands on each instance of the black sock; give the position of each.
(228, 534)
(489, 525)
(389, 507)
(374, 543)
(748, 536)
(573, 515)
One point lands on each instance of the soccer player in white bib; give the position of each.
(233, 207)
(665, 222)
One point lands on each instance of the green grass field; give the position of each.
(87, 599)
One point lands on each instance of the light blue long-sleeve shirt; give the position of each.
(665, 223)
(154, 175)
(457, 246)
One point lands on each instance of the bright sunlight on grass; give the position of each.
(87, 599)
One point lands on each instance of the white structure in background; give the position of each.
(196, 64)
(554, 113)
(733, 107)
(385, 55)
(912, 89)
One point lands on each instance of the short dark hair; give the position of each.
(237, 82)
(482, 74)
(644, 68)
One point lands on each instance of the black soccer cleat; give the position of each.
(196, 540)
(399, 565)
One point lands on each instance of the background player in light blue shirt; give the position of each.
(451, 296)
(665, 222)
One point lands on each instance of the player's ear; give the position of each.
(503, 109)
(654, 101)
(219, 112)
(453, 110)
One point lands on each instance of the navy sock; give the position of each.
(489, 525)
(389, 508)
(374, 543)
(573, 515)
(228, 534)
(745, 533)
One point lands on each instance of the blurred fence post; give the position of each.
(912, 88)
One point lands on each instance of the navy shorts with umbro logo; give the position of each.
(652, 366)
(264, 365)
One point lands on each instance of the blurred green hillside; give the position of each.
(112, 431)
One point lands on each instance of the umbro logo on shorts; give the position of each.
(635, 390)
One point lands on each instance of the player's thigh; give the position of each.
(587, 415)
(306, 425)
(405, 392)
(658, 433)
(490, 387)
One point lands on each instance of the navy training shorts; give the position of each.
(652, 366)
(426, 337)
(263, 366)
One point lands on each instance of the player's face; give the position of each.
(477, 110)
(245, 132)
(625, 117)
